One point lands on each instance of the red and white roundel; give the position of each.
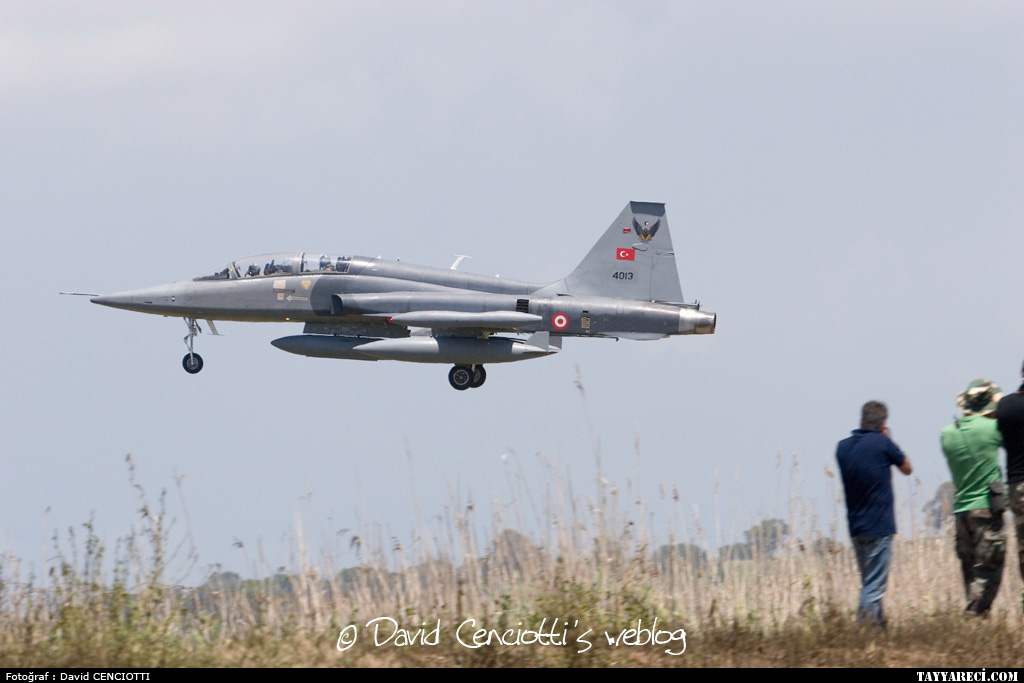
(560, 321)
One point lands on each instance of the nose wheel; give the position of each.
(464, 377)
(192, 362)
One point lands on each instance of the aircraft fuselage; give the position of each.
(366, 309)
(376, 288)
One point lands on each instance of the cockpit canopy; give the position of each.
(286, 263)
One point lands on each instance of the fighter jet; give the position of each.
(363, 308)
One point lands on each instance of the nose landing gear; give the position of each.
(192, 362)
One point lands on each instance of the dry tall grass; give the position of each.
(597, 568)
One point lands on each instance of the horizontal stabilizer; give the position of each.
(496, 320)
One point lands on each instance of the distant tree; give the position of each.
(766, 536)
(825, 546)
(223, 581)
(352, 579)
(736, 551)
(280, 583)
(349, 577)
(681, 554)
(512, 550)
(938, 509)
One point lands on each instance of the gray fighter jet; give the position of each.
(370, 309)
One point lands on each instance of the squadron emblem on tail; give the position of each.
(643, 232)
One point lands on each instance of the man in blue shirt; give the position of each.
(864, 461)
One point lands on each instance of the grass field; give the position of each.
(554, 601)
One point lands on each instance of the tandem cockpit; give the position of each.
(285, 263)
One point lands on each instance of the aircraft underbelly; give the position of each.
(457, 350)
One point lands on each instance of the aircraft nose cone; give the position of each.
(114, 300)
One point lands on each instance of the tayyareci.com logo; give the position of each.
(556, 632)
(974, 675)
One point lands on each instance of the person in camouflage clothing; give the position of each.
(971, 446)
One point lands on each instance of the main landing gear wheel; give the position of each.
(464, 377)
(192, 362)
(461, 377)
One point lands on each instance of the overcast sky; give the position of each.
(844, 182)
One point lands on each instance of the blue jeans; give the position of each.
(874, 555)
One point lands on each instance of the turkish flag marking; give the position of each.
(625, 254)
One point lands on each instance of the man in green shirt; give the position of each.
(971, 446)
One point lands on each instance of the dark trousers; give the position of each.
(981, 547)
(1017, 505)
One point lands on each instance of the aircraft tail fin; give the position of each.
(634, 259)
